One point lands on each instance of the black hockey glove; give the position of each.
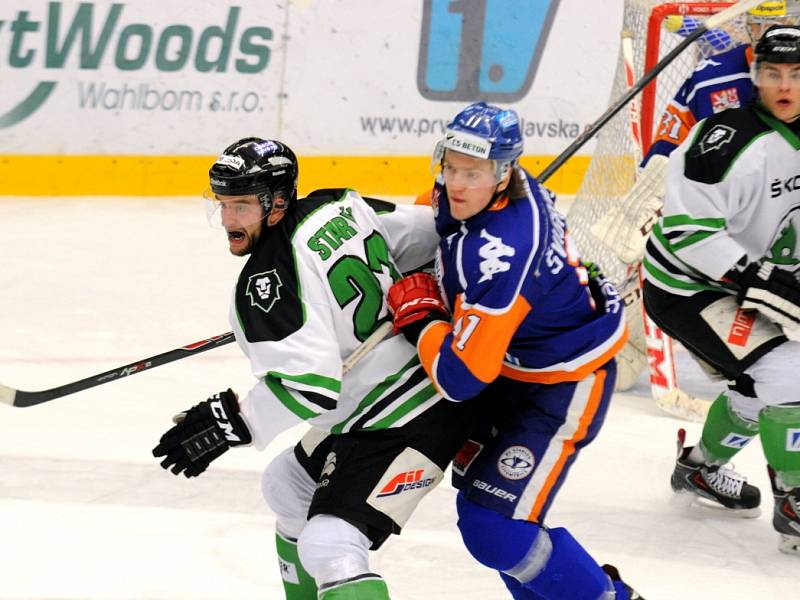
(773, 292)
(202, 434)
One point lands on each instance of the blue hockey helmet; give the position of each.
(484, 131)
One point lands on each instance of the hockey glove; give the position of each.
(415, 301)
(774, 292)
(202, 434)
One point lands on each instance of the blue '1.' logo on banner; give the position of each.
(482, 49)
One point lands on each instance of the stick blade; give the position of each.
(682, 405)
(7, 395)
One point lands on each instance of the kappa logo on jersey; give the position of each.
(492, 252)
(793, 440)
(724, 99)
(735, 440)
(706, 63)
(716, 138)
(516, 462)
(263, 289)
(410, 480)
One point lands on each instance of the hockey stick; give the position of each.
(21, 398)
(712, 22)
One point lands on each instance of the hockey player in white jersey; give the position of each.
(312, 290)
(721, 269)
(719, 82)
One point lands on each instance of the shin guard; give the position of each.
(297, 583)
(780, 438)
(724, 433)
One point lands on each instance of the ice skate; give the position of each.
(613, 573)
(714, 487)
(786, 515)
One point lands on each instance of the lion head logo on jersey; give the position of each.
(263, 289)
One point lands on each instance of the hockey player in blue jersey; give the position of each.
(532, 336)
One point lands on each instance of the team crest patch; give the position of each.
(263, 289)
(516, 462)
(716, 138)
(724, 99)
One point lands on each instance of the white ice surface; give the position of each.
(86, 513)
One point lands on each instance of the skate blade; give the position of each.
(685, 499)
(789, 544)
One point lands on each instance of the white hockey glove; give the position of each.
(625, 228)
(202, 434)
(773, 292)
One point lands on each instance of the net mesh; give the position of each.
(655, 28)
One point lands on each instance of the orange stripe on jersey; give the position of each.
(560, 376)
(424, 198)
(568, 446)
(499, 204)
(481, 339)
(675, 125)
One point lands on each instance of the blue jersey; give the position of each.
(717, 83)
(523, 305)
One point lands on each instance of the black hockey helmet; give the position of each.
(266, 168)
(779, 44)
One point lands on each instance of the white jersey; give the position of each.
(312, 291)
(733, 191)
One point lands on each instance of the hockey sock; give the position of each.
(548, 562)
(724, 433)
(366, 587)
(297, 583)
(780, 438)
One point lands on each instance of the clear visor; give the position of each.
(232, 212)
(775, 76)
(484, 174)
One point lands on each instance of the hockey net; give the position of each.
(614, 168)
(614, 165)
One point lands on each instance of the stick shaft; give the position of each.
(22, 398)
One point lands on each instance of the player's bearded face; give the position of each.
(779, 89)
(243, 218)
(470, 182)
